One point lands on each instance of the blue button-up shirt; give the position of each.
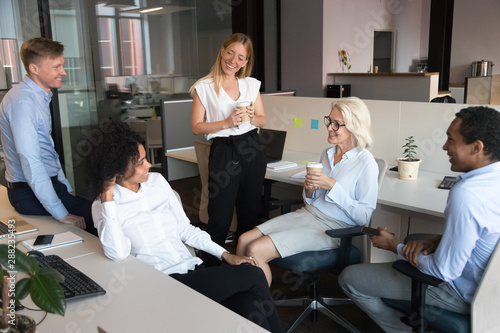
(471, 232)
(353, 198)
(25, 127)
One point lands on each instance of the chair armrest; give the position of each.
(345, 235)
(414, 273)
(351, 232)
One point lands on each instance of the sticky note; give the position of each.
(298, 122)
(314, 123)
(304, 162)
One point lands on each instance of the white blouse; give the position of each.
(152, 226)
(218, 108)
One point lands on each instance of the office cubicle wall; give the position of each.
(177, 134)
(302, 118)
(392, 122)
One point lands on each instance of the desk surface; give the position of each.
(421, 195)
(138, 297)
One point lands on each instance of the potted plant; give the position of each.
(408, 165)
(41, 283)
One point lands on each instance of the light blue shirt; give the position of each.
(30, 157)
(353, 198)
(471, 232)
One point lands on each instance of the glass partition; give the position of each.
(120, 62)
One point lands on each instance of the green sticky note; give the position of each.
(314, 123)
(298, 122)
(304, 162)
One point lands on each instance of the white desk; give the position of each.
(138, 297)
(402, 206)
(48, 225)
(188, 155)
(420, 196)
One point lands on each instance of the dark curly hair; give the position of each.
(482, 123)
(118, 150)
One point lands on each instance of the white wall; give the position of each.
(349, 25)
(476, 31)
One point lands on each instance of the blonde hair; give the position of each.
(357, 120)
(216, 72)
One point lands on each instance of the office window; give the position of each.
(107, 46)
(131, 47)
(9, 62)
(121, 43)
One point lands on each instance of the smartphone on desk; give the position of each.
(43, 240)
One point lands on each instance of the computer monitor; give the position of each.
(274, 141)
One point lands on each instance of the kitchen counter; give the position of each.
(415, 87)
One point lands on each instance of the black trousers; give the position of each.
(242, 289)
(25, 202)
(237, 166)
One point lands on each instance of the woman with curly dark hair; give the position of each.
(137, 213)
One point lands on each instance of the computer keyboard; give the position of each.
(76, 284)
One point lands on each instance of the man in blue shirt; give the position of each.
(36, 184)
(460, 255)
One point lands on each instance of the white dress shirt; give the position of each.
(152, 226)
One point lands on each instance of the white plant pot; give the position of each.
(408, 170)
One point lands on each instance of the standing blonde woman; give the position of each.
(237, 159)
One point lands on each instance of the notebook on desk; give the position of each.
(274, 141)
(15, 225)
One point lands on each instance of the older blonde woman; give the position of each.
(344, 194)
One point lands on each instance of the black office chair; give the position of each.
(270, 203)
(310, 265)
(431, 316)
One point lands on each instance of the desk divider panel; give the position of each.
(302, 118)
(392, 122)
(176, 130)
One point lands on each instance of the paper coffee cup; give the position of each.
(243, 106)
(314, 167)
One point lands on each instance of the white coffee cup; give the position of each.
(314, 167)
(243, 106)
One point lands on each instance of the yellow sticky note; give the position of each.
(298, 122)
(304, 162)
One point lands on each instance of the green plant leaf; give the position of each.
(47, 294)
(20, 263)
(22, 288)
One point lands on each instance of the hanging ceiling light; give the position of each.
(158, 9)
(120, 3)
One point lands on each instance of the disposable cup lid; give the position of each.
(242, 104)
(314, 165)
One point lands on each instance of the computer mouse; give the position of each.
(34, 253)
